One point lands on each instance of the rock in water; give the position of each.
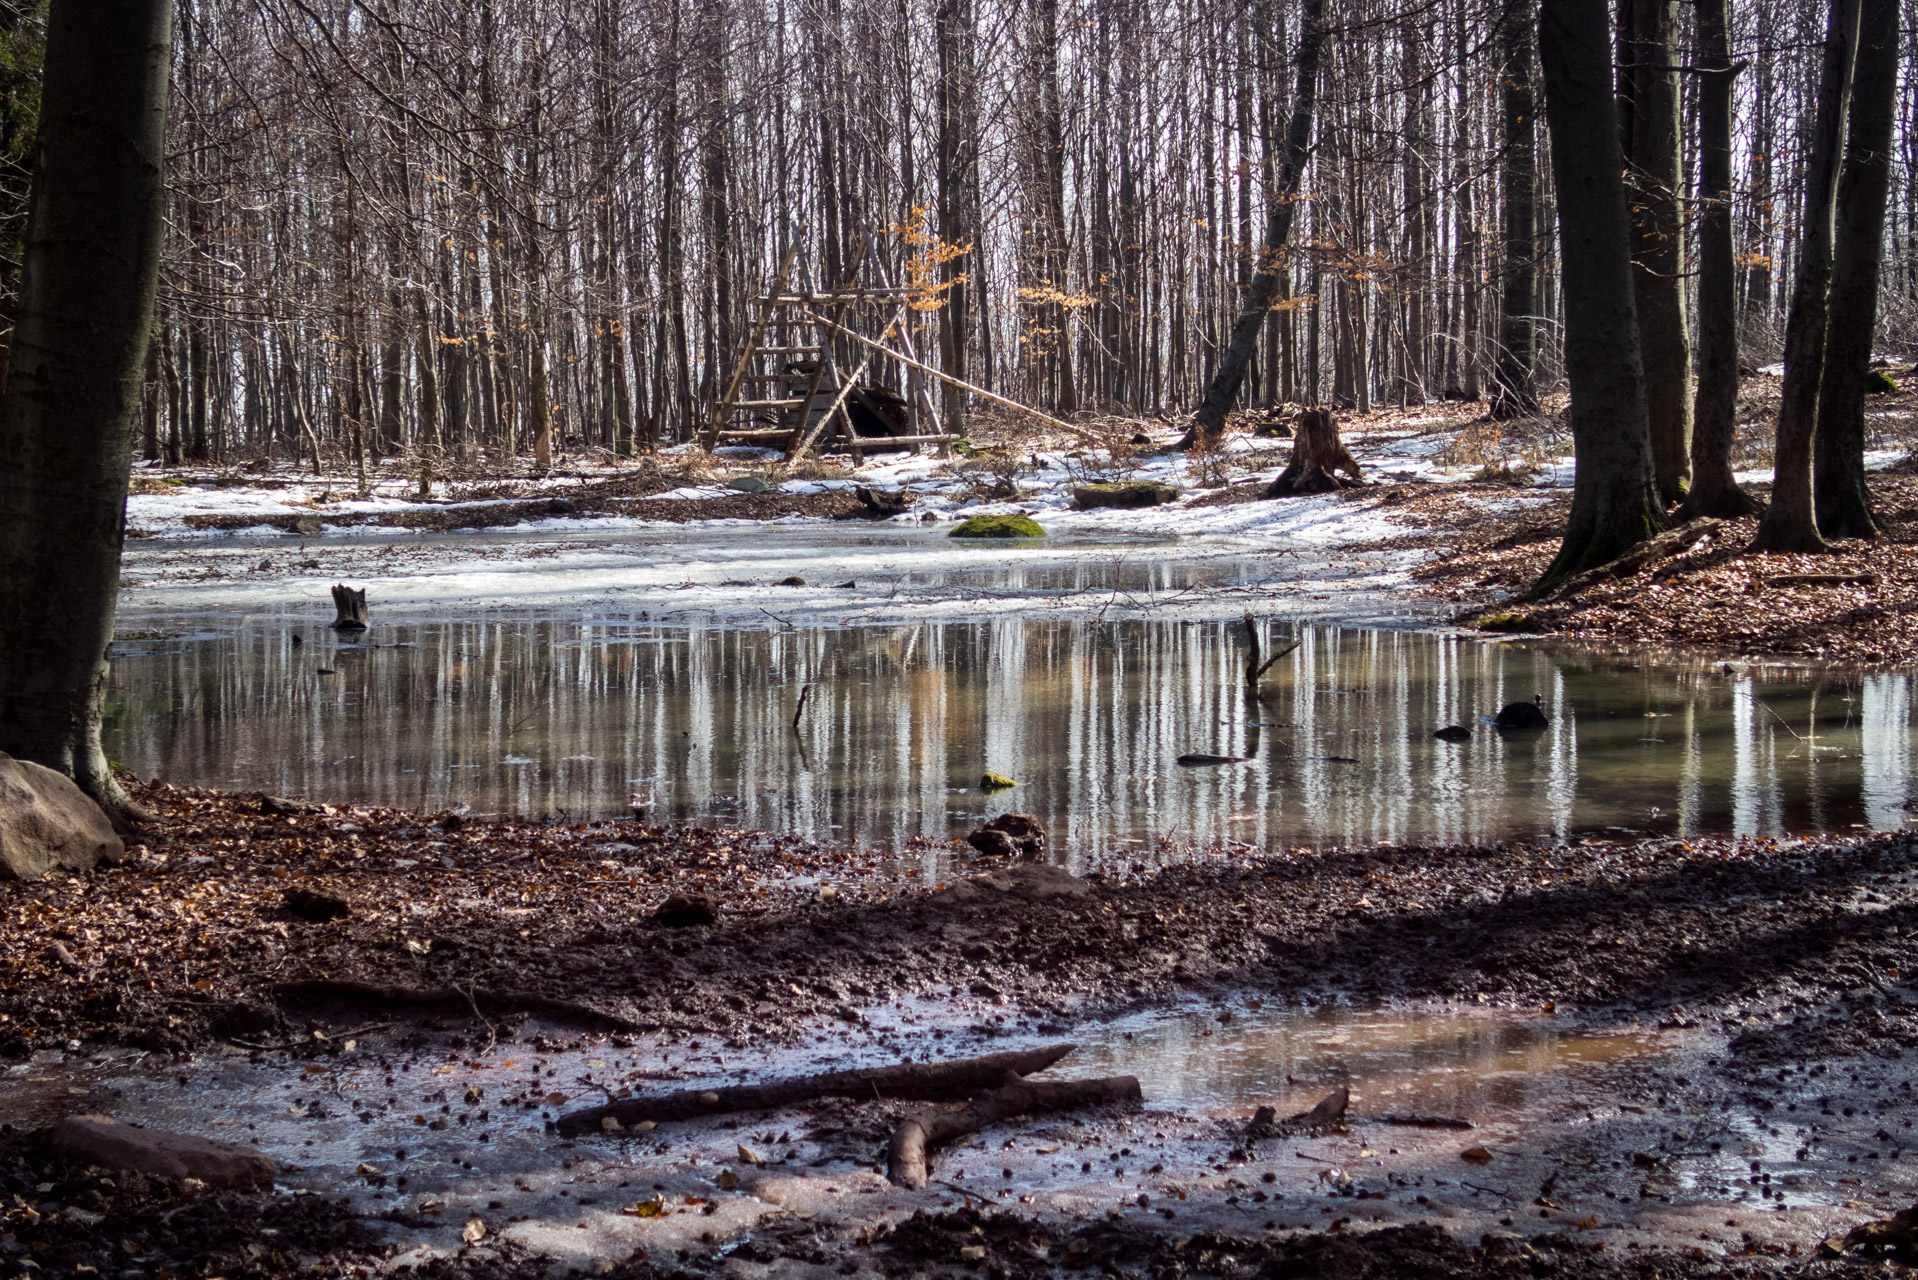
(990, 781)
(1200, 760)
(46, 821)
(1520, 715)
(681, 912)
(1010, 835)
(103, 1141)
(1453, 733)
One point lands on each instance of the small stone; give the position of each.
(990, 781)
(609, 1124)
(972, 1253)
(793, 580)
(751, 1157)
(727, 1180)
(474, 1231)
(1453, 733)
(1475, 1155)
(1010, 835)
(748, 484)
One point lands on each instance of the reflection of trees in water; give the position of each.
(1088, 717)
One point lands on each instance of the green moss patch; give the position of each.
(997, 527)
(1506, 622)
(996, 782)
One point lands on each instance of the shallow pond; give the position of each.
(576, 718)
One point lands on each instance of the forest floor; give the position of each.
(1731, 1087)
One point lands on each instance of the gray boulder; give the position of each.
(104, 1141)
(47, 822)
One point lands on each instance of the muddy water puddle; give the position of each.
(582, 719)
(440, 1137)
(1455, 1065)
(449, 1120)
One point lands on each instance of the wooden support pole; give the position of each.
(1076, 432)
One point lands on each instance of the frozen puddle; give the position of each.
(429, 1141)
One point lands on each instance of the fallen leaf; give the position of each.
(474, 1231)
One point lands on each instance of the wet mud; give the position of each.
(1765, 1105)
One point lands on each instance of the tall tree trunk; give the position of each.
(1840, 497)
(952, 23)
(1514, 393)
(69, 416)
(1209, 422)
(1649, 75)
(1614, 500)
(1715, 490)
(1790, 522)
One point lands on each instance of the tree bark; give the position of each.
(1790, 521)
(1649, 76)
(1209, 422)
(1715, 490)
(1614, 502)
(1514, 393)
(72, 401)
(1840, 497)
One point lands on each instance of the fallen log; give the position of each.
(1427, 1122)
(921, 1080)
(906, 1153)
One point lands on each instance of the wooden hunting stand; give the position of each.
(790, 347)
(796, 332)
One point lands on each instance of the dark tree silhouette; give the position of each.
(1614, 503)
(72, 404)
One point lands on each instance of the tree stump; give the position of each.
(350, 605)
(1320, 463)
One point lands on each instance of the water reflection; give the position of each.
(539, 718)
(1476, 1067)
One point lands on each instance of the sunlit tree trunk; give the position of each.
(1790, 521)
(1715, 490)
(1840, 496)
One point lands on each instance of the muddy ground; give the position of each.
(1785, 963)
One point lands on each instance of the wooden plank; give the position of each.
(872, 440)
